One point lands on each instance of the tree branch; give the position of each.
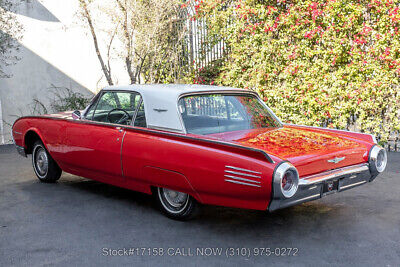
(109, 49)
(86, 14)
(128, 43)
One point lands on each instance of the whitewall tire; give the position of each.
(176, 205)
(46, 169)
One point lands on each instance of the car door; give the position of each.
(135, 148)
(94, 143)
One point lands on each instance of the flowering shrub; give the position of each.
(207, 75)
(325, 63)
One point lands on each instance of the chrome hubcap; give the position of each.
(173, 201)
(175, 198)
(41, 161)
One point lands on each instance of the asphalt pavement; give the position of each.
(79, 222)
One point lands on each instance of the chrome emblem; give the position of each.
(336, 160)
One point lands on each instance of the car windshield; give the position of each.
(218, 113)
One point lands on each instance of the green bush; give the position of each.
(65, 99)
(326, 63)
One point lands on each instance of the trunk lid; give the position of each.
(310, 150)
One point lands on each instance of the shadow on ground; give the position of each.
(72, 221)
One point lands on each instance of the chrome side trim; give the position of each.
(243, 174)
(122, 144)
(320, 177)
(240, 169)
(242, 183)
(163, 129)
(242, 179)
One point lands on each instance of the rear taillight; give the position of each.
(286, 180)
(377, 159)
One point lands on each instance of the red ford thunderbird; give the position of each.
(191, 144)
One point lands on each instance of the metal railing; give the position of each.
(200, 52)
(393, 144)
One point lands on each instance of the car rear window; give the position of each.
(217, 113)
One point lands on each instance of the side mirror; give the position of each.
(76, 115)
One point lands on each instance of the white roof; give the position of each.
(165, 97)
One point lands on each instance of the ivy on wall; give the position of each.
(323, 63)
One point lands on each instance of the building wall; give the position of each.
(56, 49)
(2, 137)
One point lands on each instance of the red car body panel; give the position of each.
(150, 158)
(139, 158)
(308, 149)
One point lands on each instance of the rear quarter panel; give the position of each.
(203, 165)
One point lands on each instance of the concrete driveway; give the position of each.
(81, 222)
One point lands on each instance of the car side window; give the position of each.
(115, 107)
(90, 111)
(140, 120)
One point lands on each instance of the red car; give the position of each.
(190, 144)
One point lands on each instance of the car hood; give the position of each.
(308, 149)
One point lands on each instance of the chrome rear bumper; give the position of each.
(315, 186)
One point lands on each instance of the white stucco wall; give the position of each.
(2, 137)
(56, 49)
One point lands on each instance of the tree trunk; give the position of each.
(106, 70)
(128, 44)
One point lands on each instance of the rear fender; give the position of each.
(159, 177)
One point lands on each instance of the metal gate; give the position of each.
(200, 52)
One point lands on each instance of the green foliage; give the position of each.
(209, 73)
(151, 33)
(325, 63)
(65, 99)
(10, 32)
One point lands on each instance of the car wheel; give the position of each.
(46, 169)
(176, 205)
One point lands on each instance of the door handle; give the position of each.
(119, 130)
